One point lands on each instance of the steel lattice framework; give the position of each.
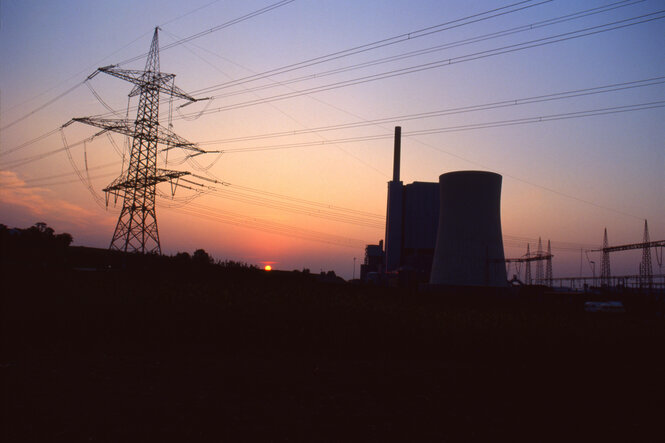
(646, 269)
(539, 256)
(605, 272)
(136, 230)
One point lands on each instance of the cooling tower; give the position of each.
(469, 246)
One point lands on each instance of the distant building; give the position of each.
(373, 264)
(444, 233)
(412, 220)
(469, 247)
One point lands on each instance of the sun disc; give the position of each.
(268, 268)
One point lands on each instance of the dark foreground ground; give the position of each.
(196, 355)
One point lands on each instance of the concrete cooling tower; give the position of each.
(469, 246)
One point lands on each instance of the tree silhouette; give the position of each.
(201, 257)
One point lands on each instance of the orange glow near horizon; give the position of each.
(268, 268)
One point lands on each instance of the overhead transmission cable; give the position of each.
(85, 180)
(34, 184)
(39, 108)
(213, 29)
(69, 174)
(415, 68)
(453, 111)
(245, 221)
(250, 222)
(453, 60)
(437, 48)
(58, 97)
(457, 128)
(514, 7)
(299, 209)
(142, 56)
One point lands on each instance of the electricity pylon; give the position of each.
(548, 265)
(136, 230)
(605, 273)
(646, 271)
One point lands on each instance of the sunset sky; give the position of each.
(565, 99)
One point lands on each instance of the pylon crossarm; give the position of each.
(529, 258)
(653, 244)
(161, 176)
(126, 127)
(121, 126)
(148, 79)
(172, 140)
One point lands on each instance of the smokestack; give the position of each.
(398, 142)
(394, 214)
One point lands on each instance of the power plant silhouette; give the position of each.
(449, 234)
(445, 233)
(469, 246)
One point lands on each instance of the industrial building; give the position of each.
(445, 233)
(469, 246)
(412, 218)
(372, 267)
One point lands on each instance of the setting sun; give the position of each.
(268, 268)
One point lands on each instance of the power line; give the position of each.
(214, 29)
(58, 97)
(39, 108)
(378, 44)
(454, 111)
(67, 79)
(68, 174)
(604, 111)
(331, 215)
(467, 127)
(437, 48)
(30, 142)
(24, 161)
(310, 202)
(189, 13)
(450, 61)
(260, 224)
(435, 64)
(32, 184)
(375, 45)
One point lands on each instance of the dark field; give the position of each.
(188, 354)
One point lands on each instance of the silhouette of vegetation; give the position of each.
(37, 245)
(152, 348)
(201, 257)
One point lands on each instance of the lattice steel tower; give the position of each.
(548, 264)
(136, 230)
(605, 273)
(646, 270)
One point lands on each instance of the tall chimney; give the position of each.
(394, 215)
(398, 142)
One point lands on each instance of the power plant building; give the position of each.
(411, 222)
(469, 247)
(445, 233)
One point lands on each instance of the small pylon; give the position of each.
(646, 270)
(539, 264)
(548, 269)
(527, 272)
(605, 274)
